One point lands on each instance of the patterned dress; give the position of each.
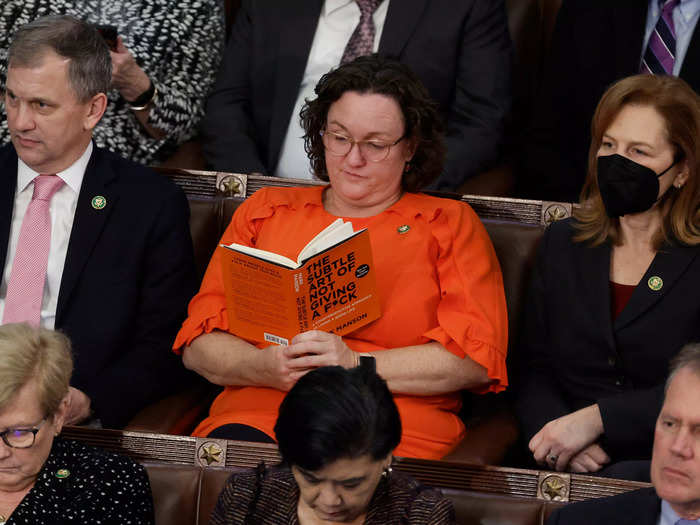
(80, 484)
(178, 43)
(270, 497)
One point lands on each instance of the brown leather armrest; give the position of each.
(175, 414)
(498, 182)
(187, 156)
(488, 440)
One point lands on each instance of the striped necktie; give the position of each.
(661, 50)
(362, 40)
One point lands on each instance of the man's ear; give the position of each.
(95, 108)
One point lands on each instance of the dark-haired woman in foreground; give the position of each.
(615, 290)
(374, 135)
(336, 431)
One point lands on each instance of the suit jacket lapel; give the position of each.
(401, 20)
(641, 507)
(689, 70)
(594, 279)
(627, 39)
(8, 186)
(88, 223)
(296, 36)
(668, 265)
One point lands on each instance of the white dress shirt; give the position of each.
(62, 211)
(337, 22)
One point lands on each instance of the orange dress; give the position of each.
(438, 281)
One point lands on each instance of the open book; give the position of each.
(331, 287)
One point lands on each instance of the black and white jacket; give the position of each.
(178, 43)
(81, 484)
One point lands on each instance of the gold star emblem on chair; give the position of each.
(554, 488)
(211, 453)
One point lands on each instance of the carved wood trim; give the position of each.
(504, 481)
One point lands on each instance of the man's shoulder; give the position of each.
(638, 504)
(7, 154)
(132, 178)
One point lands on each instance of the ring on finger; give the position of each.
(552, 458)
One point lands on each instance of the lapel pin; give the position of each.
(62, 473)
(403, 229)
(655, 283)
(99, 202)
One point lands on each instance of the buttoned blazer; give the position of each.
(128, 276)
(639, 507)
(459, 49)
(595, 43)
(573, 354)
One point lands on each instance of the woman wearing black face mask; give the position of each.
(616, 289)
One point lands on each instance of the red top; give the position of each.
(438, 281)
(619, 297)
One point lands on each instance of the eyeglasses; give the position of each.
(21, 437)
(372, 150)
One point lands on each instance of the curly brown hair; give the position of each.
(383, 76)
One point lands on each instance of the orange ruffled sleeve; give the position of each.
(207, 310)
(472, 313)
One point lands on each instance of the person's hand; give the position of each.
(590, 459)
(279, 370)
(562, 438)
(78, 406)
(315, 348)
(127, 76)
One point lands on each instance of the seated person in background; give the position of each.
(675, 462)
(45, 479)
(374, 133)
(91, 243)
(595, 43)
(613, 293)
(279, 49)
(336, 431)
(164, 62)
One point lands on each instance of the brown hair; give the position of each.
(383, 76)
(90, 67)
(41, 354)
(679, 107)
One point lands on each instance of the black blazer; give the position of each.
(460, 49)
(639, 507)
(573, 353)
(595, 43)
(128, 276)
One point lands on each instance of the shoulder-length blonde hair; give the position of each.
(679, 106)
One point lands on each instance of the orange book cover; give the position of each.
(334, 290)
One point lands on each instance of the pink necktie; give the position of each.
(25, 290)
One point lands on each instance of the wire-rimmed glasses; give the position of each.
(372, 150)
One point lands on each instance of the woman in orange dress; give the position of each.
(375, 135)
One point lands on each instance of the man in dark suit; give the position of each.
(675, 462)
(278, 49)
(595, 43)
(113, 256)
